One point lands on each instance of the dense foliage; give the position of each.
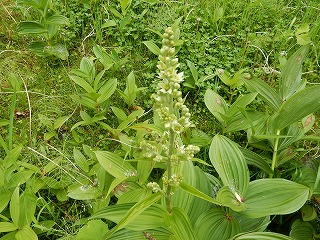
(159, 119)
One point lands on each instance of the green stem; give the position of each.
(169, 163)
(169, 171)
(13, 106)
(275, 153)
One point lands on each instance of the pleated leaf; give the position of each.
(31, 28)
(298, 106)
(301, 230)
(26, 233)
(240, 103)
(152, 234)
(114, 164)
(291, 73)
(261, 236)
(266, 92)
(107, 90)
(7, 227)
(152, 47)
(256, 160)
(274, 196)
(230, 164)
(93, 230)
(216, 105)
(179, 224)
(150, 218)
(15, 207)
(216, 224)
(134, 212)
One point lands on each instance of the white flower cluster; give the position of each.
(178, 118)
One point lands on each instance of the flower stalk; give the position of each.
(175, 117)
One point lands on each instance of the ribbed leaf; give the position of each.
(31, 28)
(84, 193)
(179, 224)
(256, 160)
(191, 204)
(7, 227)
(115, 165)
(152, 47)
(57, 20)
(103, 57)
(301, 230)
(231, 199)
(216, 105)
(15, 207)
(251, 224)
(230, 164)
(216, 224)
(135, 211)
(26, 233)
(261, 236)
(240, 103)
(152, 234)
(274, 196)
(107, 90)
(93, 230)
(266, 92)
(291, 73)
(82, 83)
(5, 197)
(80, 160)
(57, 50)
(150, 218)
(298, 106)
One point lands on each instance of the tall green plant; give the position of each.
(46, 27)
(184, 202)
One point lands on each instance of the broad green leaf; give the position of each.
(15, 207)
(147, 128)
(93, 230)
(150, 218)
(130, 119)
(133, 195)
(231, 199)
(57, 20)
(191, 204)
(107, 90)
(240, 121)
(291, 80)
(193, 70)
(60, 121)
(240, 103)
(115, 165)
(152, 234)
(255, 159)
(119, 113)
(85, 192)
(216, 224)
(230, 164)
(103, 57)
(85, 101)
(86, 117)
(28, 203)
(26, 233)
(274, 196)
(251, 224)
(198, 194)
(261, 236)
(38, 48)
(298, 106)
(57, 50)
(301, 230)
(5, 198)
(308, 213)
(31, 28)
(135, 211)
(108, 23)
(216, 105)
(266, 92)
(87, 66)
(80, 160)
(82, 83)
(7, 227)
(179, 224)
(152, 47)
